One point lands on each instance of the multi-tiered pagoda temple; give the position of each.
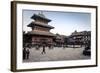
(41, 30)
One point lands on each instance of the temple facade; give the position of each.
(40, 33)
(80, 38)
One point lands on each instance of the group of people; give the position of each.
(26, 53)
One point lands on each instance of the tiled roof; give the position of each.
(39, 24)
(44, 33)
(35, 16)
(81, 33)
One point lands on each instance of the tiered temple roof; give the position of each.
(32, 24)
(43, 33)
(39, 21)
(40, 16)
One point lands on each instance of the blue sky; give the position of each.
(64, 22)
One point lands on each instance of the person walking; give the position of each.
(24, 53)
(43, 51)
(27, 53)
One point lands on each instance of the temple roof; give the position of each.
(40, 16)
(32, 24)
(42, 33)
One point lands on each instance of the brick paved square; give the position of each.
(56, 54)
